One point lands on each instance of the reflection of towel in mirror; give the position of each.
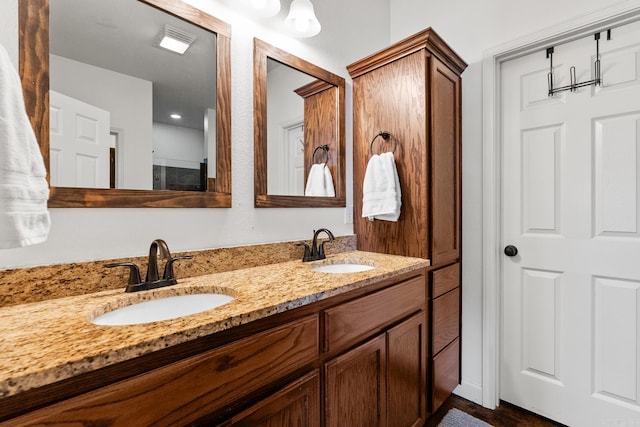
(381, 193)
(320, 181)
(24, 219)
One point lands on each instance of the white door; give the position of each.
(79, 143)
(570, 345)
(295, 166)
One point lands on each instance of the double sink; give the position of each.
(172, 306)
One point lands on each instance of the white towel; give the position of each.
(24, 219)
(381, 193)
(319, 181)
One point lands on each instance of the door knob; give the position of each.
(510, 250)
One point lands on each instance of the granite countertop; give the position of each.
(49, 341)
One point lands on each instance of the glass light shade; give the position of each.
(265, 8)
(301, 19)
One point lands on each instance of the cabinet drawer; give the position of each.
(192, 388)
(352, 321)
(445, 279)
(446, 374)
(446, 319)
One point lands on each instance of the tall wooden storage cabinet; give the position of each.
(413, 91)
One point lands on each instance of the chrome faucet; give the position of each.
(157, 249)
(316, 252)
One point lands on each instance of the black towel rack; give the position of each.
(385, 135)
(324, 148)
(573, 85)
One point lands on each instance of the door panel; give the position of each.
(571, 186)
(79, 143)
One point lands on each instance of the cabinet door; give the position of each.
(296, 405)
(356, 385)
(445, 164)
(406, 373)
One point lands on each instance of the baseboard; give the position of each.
(472, 392)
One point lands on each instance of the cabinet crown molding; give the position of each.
(427, 39)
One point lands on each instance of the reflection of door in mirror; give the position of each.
(107, 54)
(295, 160)
(285, 123)
(80, 143)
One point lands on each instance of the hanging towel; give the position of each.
(382, 196)
(24, 219)
(320, 181)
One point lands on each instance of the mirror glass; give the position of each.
(128, 117)
(299, 125)
(124, 111)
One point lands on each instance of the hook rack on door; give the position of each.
(597, 81)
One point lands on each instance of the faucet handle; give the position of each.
(307, 252)
(168, 268)
(134, 271)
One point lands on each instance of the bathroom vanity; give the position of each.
(295, 344)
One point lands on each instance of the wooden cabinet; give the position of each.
(296, 405)
(356, 386)
(445, 332)
(357, 356)
(406, 370)
(185, 391)
(413, 91)
(381, 382)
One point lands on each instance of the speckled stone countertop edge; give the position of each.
(49, 341)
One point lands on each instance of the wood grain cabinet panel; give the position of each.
(445, 164)
(190, 389)
(406, 373)
(356, 386)
(381, 382)
(445, 279)
(446, 319)
(365, 316)
(446, 373)
(295, 405)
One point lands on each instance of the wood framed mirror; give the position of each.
(298, 124)
(35, 72)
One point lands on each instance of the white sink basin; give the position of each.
(159, 309)
(347, 267)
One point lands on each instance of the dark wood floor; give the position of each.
(506, 415)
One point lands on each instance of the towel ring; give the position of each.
(385, 135)
(325, 148)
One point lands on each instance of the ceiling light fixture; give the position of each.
(176, 40)
(301, 19)
(175, 116)
(265, 8)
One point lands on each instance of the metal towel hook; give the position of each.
(385, 135)
(324, 148)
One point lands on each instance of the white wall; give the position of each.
(177, 146)
(130, 102)
(471, 28)
(87, 234)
